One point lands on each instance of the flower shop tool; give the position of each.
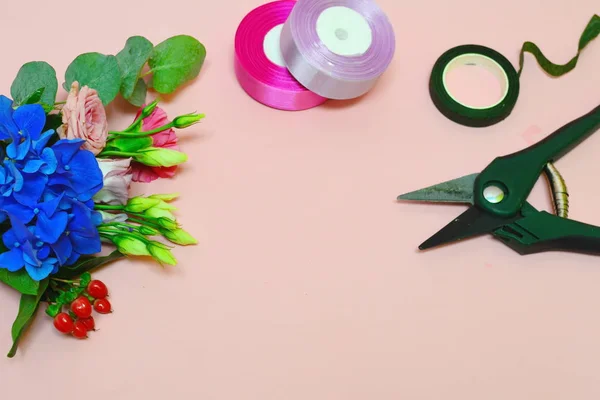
(476, 55)
(497, 198)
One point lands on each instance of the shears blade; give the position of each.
(459, 190)
(473, 222)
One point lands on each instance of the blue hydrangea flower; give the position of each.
(45, 194)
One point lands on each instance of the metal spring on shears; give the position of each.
(560, 194)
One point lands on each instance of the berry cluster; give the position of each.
(80, 298)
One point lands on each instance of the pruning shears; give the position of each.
(498, 198)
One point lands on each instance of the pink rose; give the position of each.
(84, 117)
(117, 176)
(166, 139)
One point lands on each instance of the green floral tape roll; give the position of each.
(462, 112)
(480, 55)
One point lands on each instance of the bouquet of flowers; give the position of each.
(65, 178)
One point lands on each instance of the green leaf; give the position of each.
(86, 264)
(175, 62)
(97, 71)
(138, 98)
(34, 76)
(35, 96)
(20, 281)
(27, 309)
(131, 61)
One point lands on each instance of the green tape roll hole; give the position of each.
(461, 112)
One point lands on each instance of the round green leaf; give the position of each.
(131, 61)
(97, 71)
(33, 78)
(175, 62)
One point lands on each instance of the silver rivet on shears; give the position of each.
(493, 194)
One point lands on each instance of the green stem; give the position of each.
(117, 154)
(123, 233)
(62, 280)
(140, 134)
(108, 207)
(146, 74)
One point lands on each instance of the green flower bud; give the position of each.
(149, 109)
(167, 223)
(165, 197)
(184, 121)
(130, 245)
(159, 157)
(53, 310)
(159, 213)
(161, 253)
(179, 236)
(140, 204)
(147, 231)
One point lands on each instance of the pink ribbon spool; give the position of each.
(259, 65)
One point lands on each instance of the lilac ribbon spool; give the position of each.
(259, 67)
(338, 49)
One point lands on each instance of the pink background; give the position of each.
(307, 282)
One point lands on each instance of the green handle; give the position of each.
(516, 174)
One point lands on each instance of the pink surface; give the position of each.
(307, 282)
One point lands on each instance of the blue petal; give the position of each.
(23, 213)
(49, 206)
(7, 124)
(86, 175)
(85, 245)
(49, 229)
(96, 218)
(50, 159)
(32, 166)
(65, 149)
(16, 174)
(82, 221)
(63, 249)
(9, 238)
(41, 143)
(12, 260)
(41, 272)
(19, 147)
(29, 255)
(74, 257)
(31, 192)
(30, 118)
(44, 252)
(22, 234)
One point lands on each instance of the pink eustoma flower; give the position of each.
(166, 139)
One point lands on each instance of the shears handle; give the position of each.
(516, 174)
(541, 231)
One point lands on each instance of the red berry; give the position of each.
(64, 323)
(102, 306)
(80, 330)
(82, 307)
(97, 289)
(89, 323)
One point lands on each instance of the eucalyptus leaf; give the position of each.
(35, 96)
(28, 307)
(32, 77)
(138, 98)
(19, 280)
(175, 62)
(97, 71)
(131, 61)
(86, 264)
